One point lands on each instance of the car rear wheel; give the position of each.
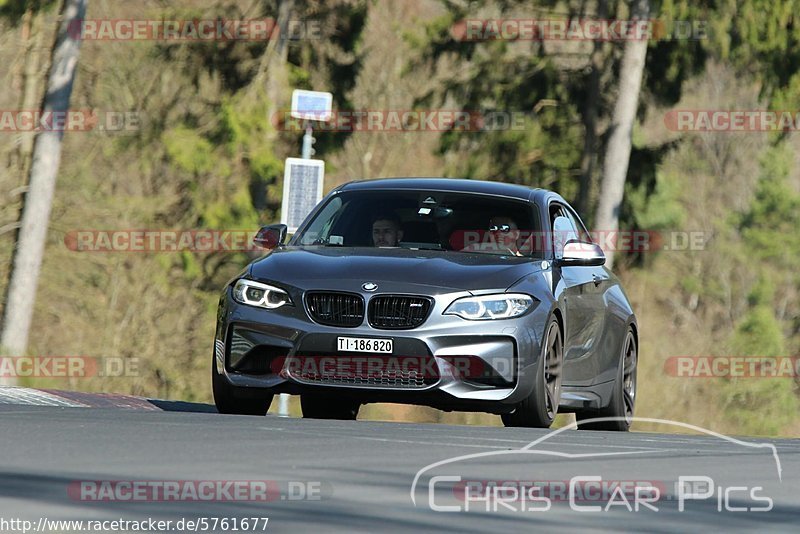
(237, 400)
(623, 396)
(540, 408)
(328, 407)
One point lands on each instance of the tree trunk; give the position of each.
(618, 151)
(274, 60)
(590, 112)
(27, 259)
(273, 74)
(30, 84)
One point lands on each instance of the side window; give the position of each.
(559, 210)
(580, 230)
(555, 211)
(564, 231)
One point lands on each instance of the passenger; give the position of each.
(506, 234)
(501, 238)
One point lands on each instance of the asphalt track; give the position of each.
(350, 476)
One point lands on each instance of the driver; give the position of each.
(386, 230)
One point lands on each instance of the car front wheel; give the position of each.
(539, 409)
(237, 400)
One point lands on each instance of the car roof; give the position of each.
(457, 185)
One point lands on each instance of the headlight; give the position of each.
(502, 306)
(261, 295)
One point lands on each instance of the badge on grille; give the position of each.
(369, 286)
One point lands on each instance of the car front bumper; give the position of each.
(270, 349)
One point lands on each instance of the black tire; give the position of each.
(540, 408)
(237, 400)
(623, 396)
(328, 407)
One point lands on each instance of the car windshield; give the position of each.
(425, 220)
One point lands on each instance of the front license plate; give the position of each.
(364, 344)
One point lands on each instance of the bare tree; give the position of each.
(618, 151)
(27, 259)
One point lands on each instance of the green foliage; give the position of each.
(765, 35)
(543, 149)
(13, 10)
(246, 128)
(760, 295)
(660, 209)
(770, 227)
(671, 62)
(188, 150)
(331, 63)
(234, 212)
(759, 334)
(524, 76)
(770, 233)
(540, 151)
(191, 267)
(760, 405)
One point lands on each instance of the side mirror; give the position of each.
(582, 255)
(270, 237)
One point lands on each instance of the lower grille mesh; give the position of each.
(362, 371)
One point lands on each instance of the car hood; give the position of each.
(322, 267)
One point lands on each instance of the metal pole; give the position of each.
(283, 405)
(308, 139)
